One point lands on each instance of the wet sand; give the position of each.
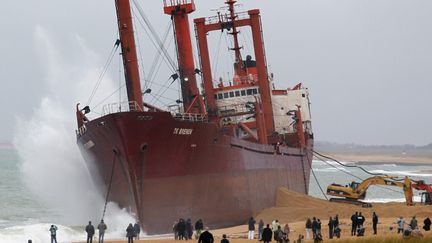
(294, 208)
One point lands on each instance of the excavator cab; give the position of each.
(354, 185)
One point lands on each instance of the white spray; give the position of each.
(52, 166)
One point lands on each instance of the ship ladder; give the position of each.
(109, 185)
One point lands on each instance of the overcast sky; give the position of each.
(367, 63)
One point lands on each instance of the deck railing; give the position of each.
(176, 2)
(190, 117)
(120, 107)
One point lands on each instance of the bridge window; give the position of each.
(225, 95)
(249, 91)
(237, 93)
(220, 96)
(243, 93)
(255, 91)
(231, 94)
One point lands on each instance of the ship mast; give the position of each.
(238, 65)
(204, 26)
(130, 60)
(179, 11)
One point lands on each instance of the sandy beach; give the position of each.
(294, 208)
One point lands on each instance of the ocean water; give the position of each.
(26, 212)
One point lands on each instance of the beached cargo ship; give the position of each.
(222, 156)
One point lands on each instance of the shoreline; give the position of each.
(380, 159)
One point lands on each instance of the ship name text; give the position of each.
(183, 131)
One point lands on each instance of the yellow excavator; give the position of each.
(356, 191)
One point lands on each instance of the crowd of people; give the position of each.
(183, 229)
(412, 228)
(271, 231)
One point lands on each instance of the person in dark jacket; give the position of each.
(361, 220)
(137, 230)
(251, 228)
(53, 230)
(427, 224)
(90, 232)
(318, 230)
(354, 224)
(189, 229)
(314, 227)
(130, 233)
(267, 234)
(331, 227)
(206, 237)
(413, 223)
(278, 235)
(199, 226)
(336, 221)
(374, 222)
(181, 229)
(224, 239)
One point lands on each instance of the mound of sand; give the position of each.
(293, 207)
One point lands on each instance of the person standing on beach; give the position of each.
(308, 228)
(427, 224)
(278, 234)
(361, 220)
(318, 230)
(286, 232)
(400, 225)
(331, 227)
(175, 230)
(251, 227)
(137, 230)
(181, 229)
(260, 229)
(189, 229)
(130, 233)
(224, 239)
(90, 232)
(267, 234)
(275, 225)
(53, 229)
(199, 226)
(101, 227)
(354, 225)
(314, 227)
(206, 237)
(413, 223)
(374, 222)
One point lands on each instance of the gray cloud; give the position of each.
(367, 63)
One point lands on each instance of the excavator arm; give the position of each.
(357, 191)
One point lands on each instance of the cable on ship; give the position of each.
(110, 183)
(320, 157)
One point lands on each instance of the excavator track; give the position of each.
(350, 201)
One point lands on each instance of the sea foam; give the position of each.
(51, 165)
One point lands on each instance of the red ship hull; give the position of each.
(165, 169)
